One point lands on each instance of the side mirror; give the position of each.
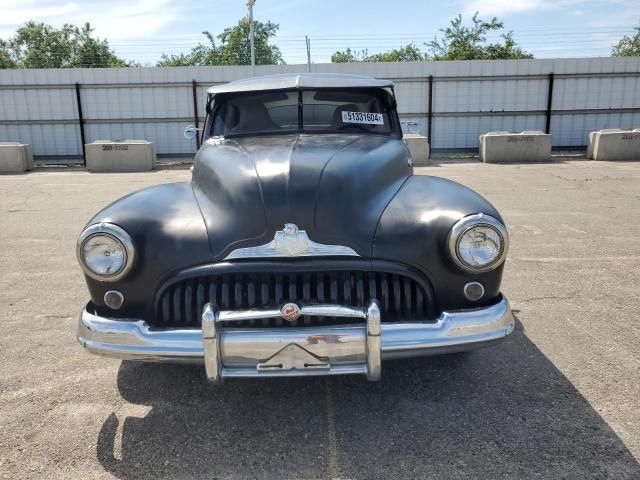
(190, 132)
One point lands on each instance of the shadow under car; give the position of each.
(503, 412)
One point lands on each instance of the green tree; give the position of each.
(349, 56)
(408, 53)
(5, 56)
(469, 43)
(37, 45)
(628, 46)
(233, 47)
(197, 56)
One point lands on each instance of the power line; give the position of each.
(543, 42)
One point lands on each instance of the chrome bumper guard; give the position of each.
(296, 351)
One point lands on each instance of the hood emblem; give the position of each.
(290, 312)
(290, 241)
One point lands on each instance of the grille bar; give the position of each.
(400, 297)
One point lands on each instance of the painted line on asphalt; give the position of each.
(333, 459)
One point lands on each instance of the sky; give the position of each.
(141, 30)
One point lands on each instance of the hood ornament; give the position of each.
(291, 242)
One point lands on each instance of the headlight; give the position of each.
(105, 252)
(478, 243)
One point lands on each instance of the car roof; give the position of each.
(299, 80)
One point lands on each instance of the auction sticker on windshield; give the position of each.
(361, 117)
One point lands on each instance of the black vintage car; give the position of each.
(303, 245)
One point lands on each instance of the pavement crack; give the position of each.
(549, 297)
(561, 177)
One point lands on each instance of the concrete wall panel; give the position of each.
(573, 130)
(463, 132)
(115, 107)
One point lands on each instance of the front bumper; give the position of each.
(296, 351)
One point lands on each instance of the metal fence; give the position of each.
(57, 111)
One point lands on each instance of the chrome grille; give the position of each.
(401, 297)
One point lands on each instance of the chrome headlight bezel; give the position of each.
(465, 224)
(116, 233)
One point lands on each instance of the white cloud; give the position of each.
(18, 13)
(501, 7)
(114, 19)
(618, 9)
(623, 13)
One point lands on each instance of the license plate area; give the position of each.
(294, 357)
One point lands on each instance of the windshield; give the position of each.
(322, 110)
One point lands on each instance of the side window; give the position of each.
(225, 119)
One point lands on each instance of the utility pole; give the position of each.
(308, 41)
(250, 4)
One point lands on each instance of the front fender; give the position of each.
(414, 228)
(168, 233)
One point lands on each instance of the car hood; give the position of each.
(333, 186)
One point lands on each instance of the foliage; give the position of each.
(469, 43)
(5, 56)
(458, 43)
(407, 53)
(37, 45)
(233, 48)
(628, 46)
(348, 56)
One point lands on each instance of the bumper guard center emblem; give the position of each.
(290, 312)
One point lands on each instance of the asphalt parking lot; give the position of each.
(559, 399)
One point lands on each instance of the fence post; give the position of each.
(196, 121)
(549, 103)
(81, 124)
(430, 114)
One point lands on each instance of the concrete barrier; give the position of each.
(481, 150)
(614, 144)
(505, 147)
(592, 142)
(120, 156)
(15, 157)
(418, 146)
(593, 138)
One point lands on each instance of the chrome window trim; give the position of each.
(468, 222)
(121, 236)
